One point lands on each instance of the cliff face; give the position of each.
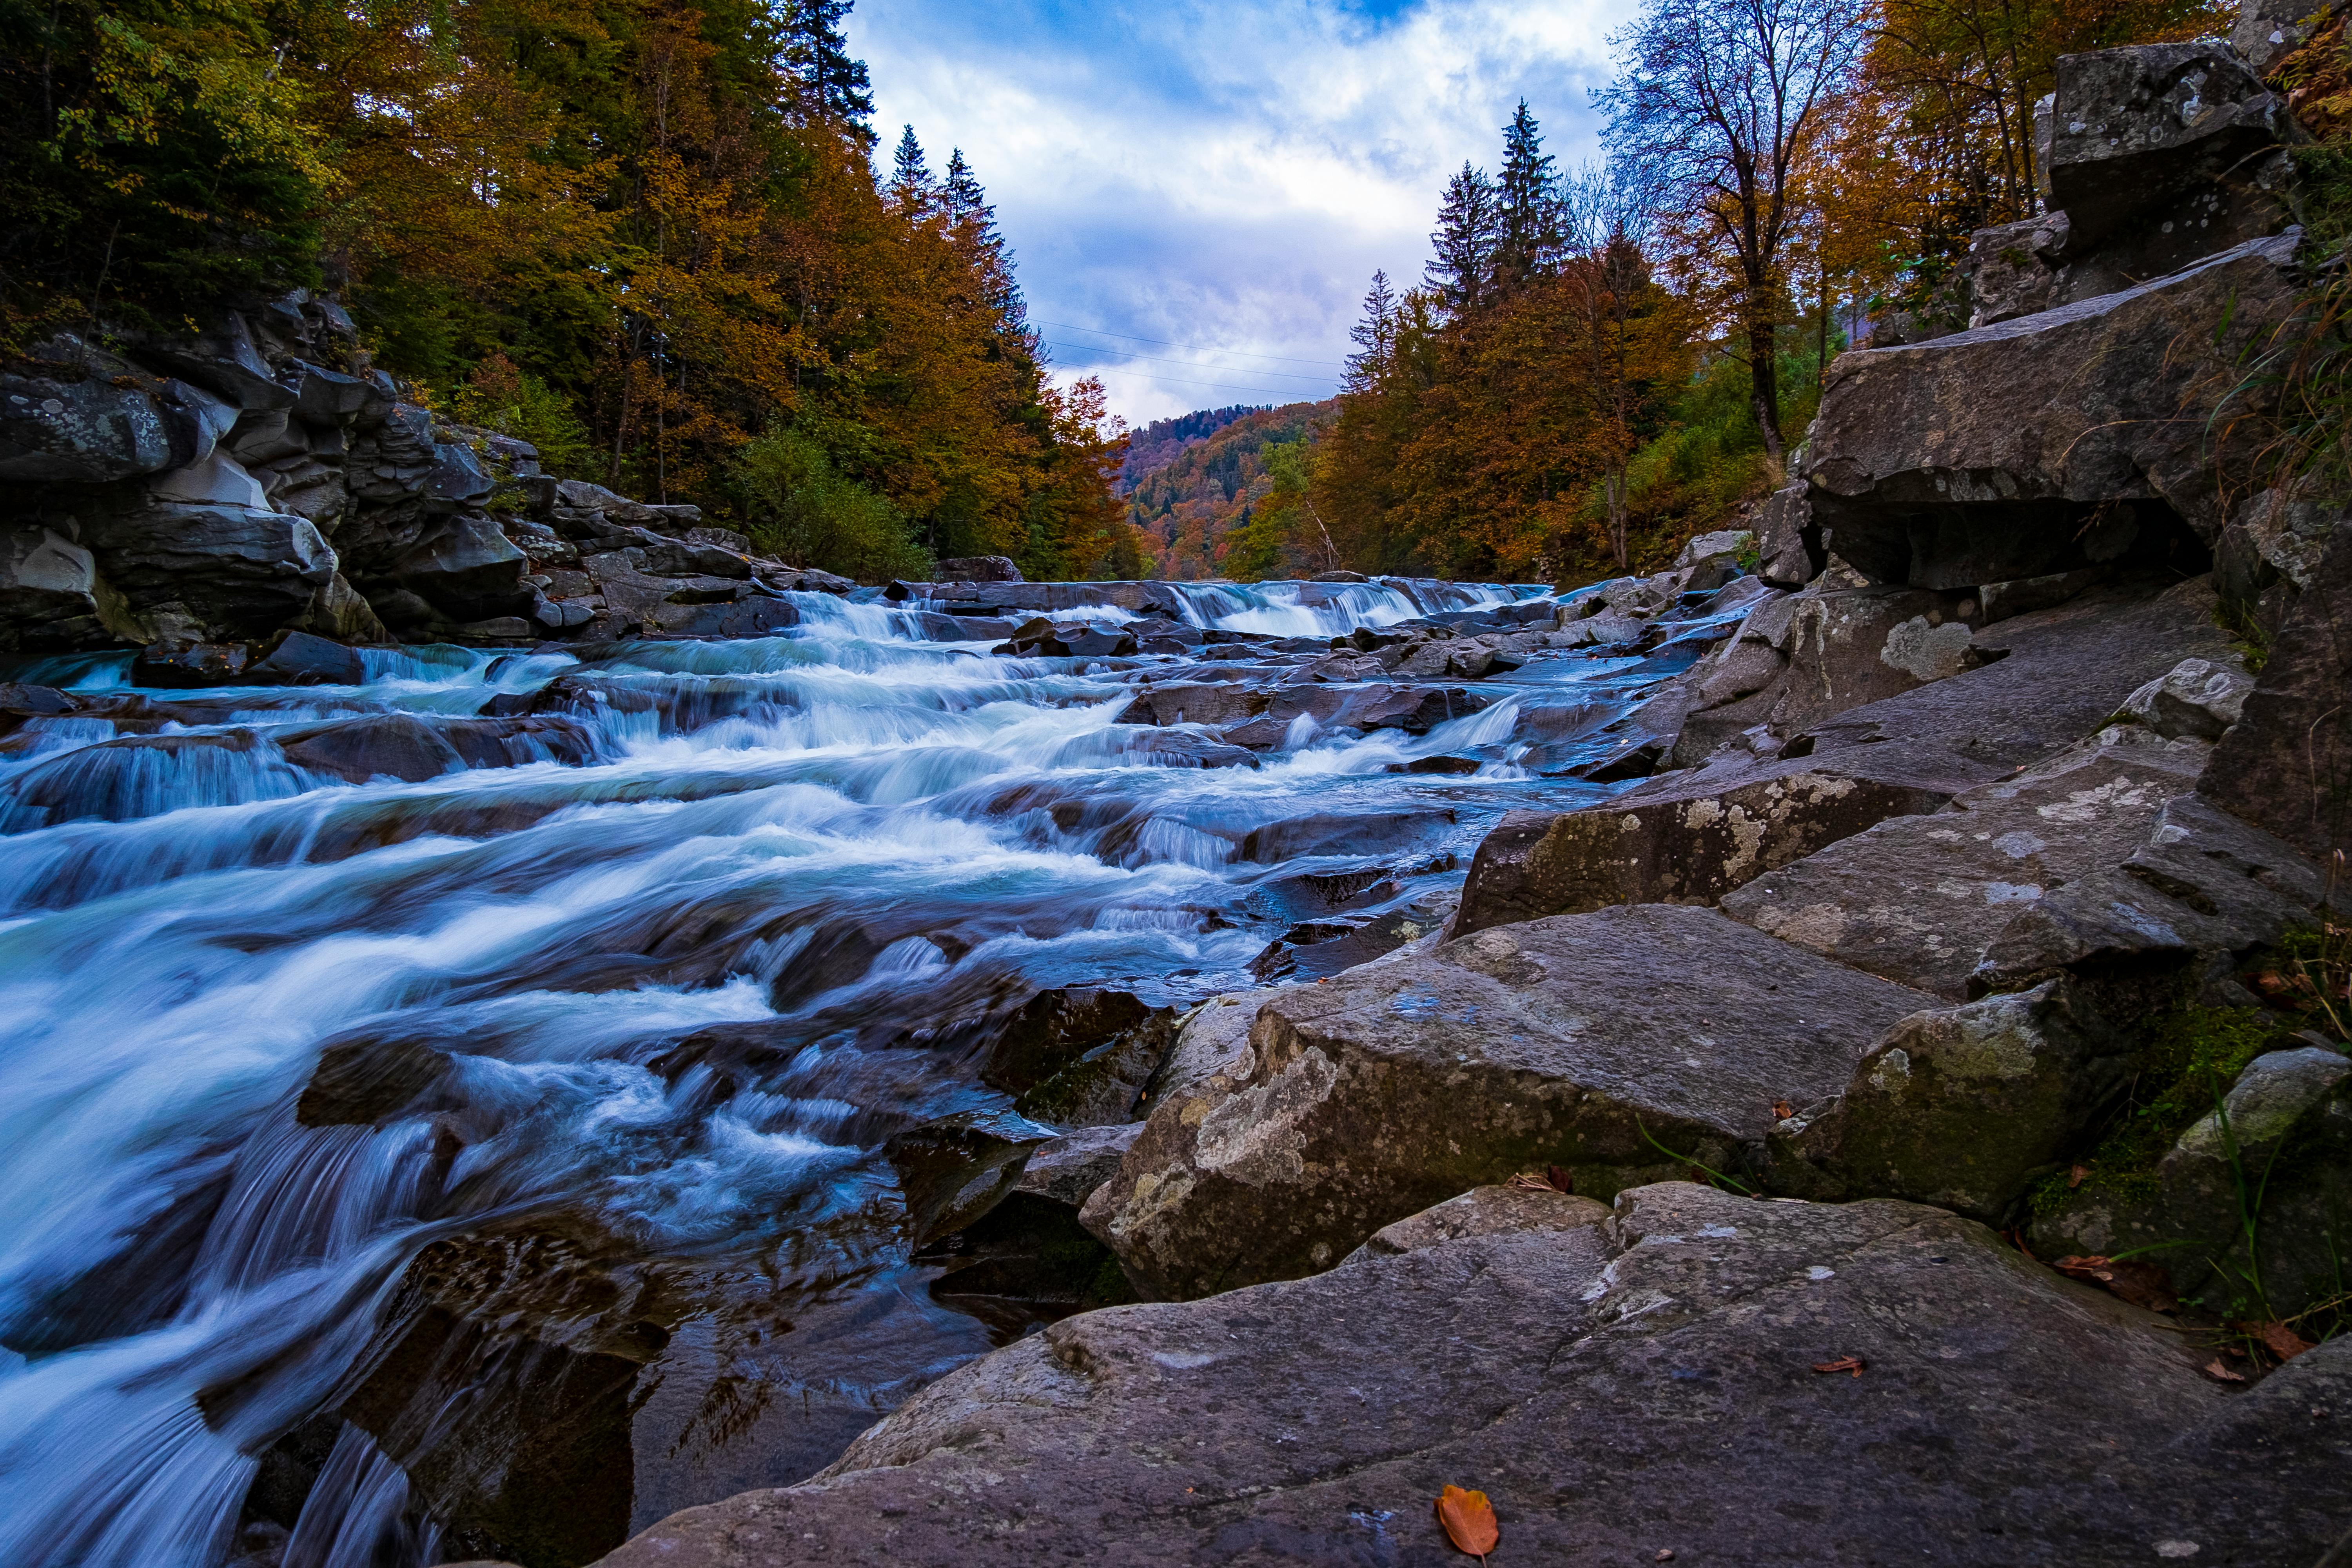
(254, 477)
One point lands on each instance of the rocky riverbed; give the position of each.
(540, 1034)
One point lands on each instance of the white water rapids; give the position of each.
(849, 835)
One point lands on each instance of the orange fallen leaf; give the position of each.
(2074, 1177)
(2142, 1284)
(1843, 1363)
(2279, 1340)
(2223, 1374)
(1560, 1179)
(1782, 1110)
(1469, 1520)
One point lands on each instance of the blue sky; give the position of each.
(1216, 181)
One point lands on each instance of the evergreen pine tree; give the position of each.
(960, 195)
(1461, 268)
(1526, 208)
(912, 189)
(1375, 336)
(832, 86)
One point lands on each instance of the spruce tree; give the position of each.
(1375, 336)
(832, 86)
(966, 204)
(1527, 206)
(1462, 269)
(912, 189)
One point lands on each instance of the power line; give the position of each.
(1195, 364)
(1197, 348)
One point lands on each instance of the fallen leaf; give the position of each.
(2142, 1284)
(2074, 1177)
(1529, 1182)
(1469, 1520)
(1782, 1110)
(2223, 1374)
(1843, 1363)
(2279, 1340)
(1560, 1180)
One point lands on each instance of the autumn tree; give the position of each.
(1723, 99)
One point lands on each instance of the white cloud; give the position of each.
(1224, 174)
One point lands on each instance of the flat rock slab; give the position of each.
(1484, 1211)
(1620, 1392)
(1920, 899)
(1692, 837)
(1594, 1042)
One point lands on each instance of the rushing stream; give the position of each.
(847, 840)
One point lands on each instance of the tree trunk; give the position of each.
(1764, 385)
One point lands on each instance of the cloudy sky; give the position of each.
(1197, 191)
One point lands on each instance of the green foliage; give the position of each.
(499, 396)
(797, 507)
(2192, 1056)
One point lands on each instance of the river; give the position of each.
(844, 839)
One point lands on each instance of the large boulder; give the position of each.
(53, 597)
(1625, 1393)
(1991, 455)
(1919, 899)
(1691, 838)
(2287, 764)
(239, 569)
(466, 568)
(1611, 1045)
(82, 429)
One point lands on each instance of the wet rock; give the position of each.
(1054, 1029)
(2196, 698)
(465, 567)
(302, 660)
(220, 355)
(1788, 546)
(1343, 833)
(1920, 899)
(1484, 1211)
(1315, 949)
(181, 666)
(367, 1082)
(1987, 456)
(1964, 1108)
(977, 569)
(1692, 837)
(242, 570)
(1588, 1381)
(134, 776)
(53, 597)
(1073, 1166)
(1218, 704)
(1159, 749)
(1593, 1042)
(2287, 764)
(954, 1169)
(376, 745)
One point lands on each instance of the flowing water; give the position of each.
(843, 841)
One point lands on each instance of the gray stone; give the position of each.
(1989, 455)
(220, 356)
(1620, 1392)
(79, 430)
(1692, 837)
(1850, 646)
(1920, 899)
(1593, 1042)
(2203, 894)
(242, 570)
(2196, 698)
(52, 596)
(977, 569)
(2267, 31)
(456, 481)
(1484, 1211)
(2287, 765)
(1786, 539)
(1071, 1167)
(219, 480)
(1964, 1107)
(465, 567)
(302, 658)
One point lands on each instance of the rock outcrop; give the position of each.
(1627, 1391)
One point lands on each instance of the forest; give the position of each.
(1600, 360)
(649, 236)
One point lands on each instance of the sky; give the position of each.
(1197, 191)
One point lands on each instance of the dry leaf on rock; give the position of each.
(1782, 1110)
(2142, 1284)
(1469, 1520)
(1843, 1363)
(2074, 1177)
(2221, 1373)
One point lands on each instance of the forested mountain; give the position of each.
(645, 235)
(1159, 442)
(1191, 505)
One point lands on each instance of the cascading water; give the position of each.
(838, 844)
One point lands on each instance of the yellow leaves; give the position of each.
(1469, 1521)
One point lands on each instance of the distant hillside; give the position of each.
(1196, 495)
(1163, 441)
